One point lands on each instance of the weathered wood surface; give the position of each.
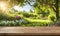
(29, 30)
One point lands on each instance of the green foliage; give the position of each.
(44, 8)
(52, 18)
(3, 16)
(38, 24)
(29, 15)
(16, 2)
(26, 15)
(12, 23)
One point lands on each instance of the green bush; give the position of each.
(3, 16)
(26, 15)
(12, 22)
(52, 18)
(38, 23)
(29, 15)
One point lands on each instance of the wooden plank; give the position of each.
(29, 30)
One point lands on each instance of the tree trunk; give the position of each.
(57, 9)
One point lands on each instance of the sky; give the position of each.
(27, 7)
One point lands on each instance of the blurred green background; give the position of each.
(30, 13)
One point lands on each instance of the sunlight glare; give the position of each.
(3, 6)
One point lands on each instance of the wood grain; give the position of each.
(29, 30)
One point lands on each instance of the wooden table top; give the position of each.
(29, 30)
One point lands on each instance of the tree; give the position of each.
(57, 9)
(39, 4)
(54, 4)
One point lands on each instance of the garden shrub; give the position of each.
(14, 17)
(15, 20)
(38, 24)
(26, 15)
(29, 15)
(52, 18)
(12, 22)
(3, 16)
